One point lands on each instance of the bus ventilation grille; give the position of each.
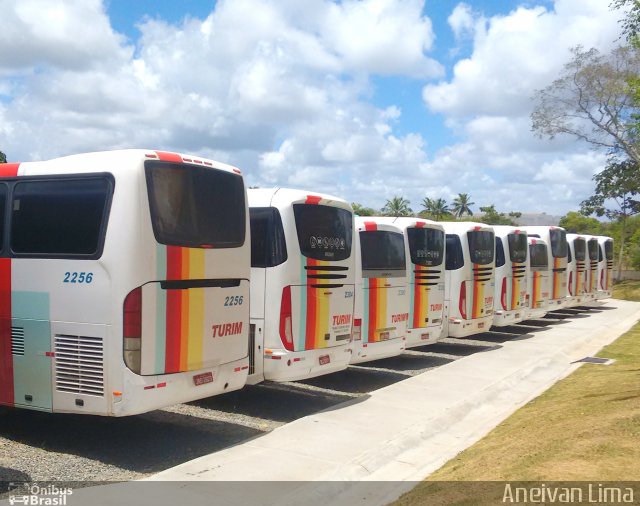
(252, 348)
(17, 341)
(79, 364)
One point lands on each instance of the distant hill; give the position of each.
(532, 219)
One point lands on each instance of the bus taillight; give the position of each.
(503, 294)
(286, 332)
(357, 329)
(462, 302)
(132, 329)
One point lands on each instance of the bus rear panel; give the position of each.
(382, 301)
(539, 278)
(118, 307)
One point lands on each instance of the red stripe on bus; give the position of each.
(174, 311)
(9, 169)
(370, 226)
(166, 156)
(6, 358)
(373, 310)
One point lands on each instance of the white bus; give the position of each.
(382, 299)
(124, 282)
(539, 278)
(469, 278)
(510, 297)
(302, 284)
(592, 267)
(424, 248)
(605, 267)
(576, 267)
(556, 240)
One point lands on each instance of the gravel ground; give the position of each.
(37, 446)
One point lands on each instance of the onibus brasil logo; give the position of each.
(34, 494)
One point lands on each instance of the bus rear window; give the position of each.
(382, 250)
(593, 249)
(324, 232)
(195, 206)
(268, 245)
(558, 243)
(65, 217)
(481, 247)
(538, 257)
(608, 250)
(500, 259)
(517, 247)
(453, 255)
(426, 246)
(579, 248)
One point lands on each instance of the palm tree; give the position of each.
(436, 208)
(397, 206)
(461, 205)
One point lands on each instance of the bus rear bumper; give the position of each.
(603, 294)
(283, 365)
(423, 336)
(366, 352)
(504, 318)
(464, 328)
(155, 392)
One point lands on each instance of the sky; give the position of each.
(361, 99)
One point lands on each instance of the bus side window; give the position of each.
(65, 217)
(569, 257)
(268, 246)
(500, 260)
(454, 258)
(3, 205)
(600, 255)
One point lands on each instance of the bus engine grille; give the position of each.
(17, 341)
(79, 364)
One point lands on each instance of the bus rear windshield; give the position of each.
(608, 250)
(558, 243)
(593, 249)
(382, 250)
(426, 246)
(481, 247)
(579, 248)
(538, 256)
(324, 232)
(518, 247)
(195, 206)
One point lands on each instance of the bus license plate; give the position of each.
(384, 336)
(481, 325)
(324, 359)
(203, 379)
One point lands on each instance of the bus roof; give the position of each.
(505, 230)
(284, 197)
(374, 223)
(461, 227)
(115, 161)
(405, 222)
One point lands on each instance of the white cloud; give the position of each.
(461, 21)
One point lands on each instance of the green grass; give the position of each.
(627, 290)
(584, 428)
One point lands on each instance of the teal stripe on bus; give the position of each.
(161, 309)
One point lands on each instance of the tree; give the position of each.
(631, 22)
(360, 210)
(493, 217)
(3, 157)
(576, 223)
(435, 209)
(397, 206)
(461, 205)
(593, 100)
(618, 183)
